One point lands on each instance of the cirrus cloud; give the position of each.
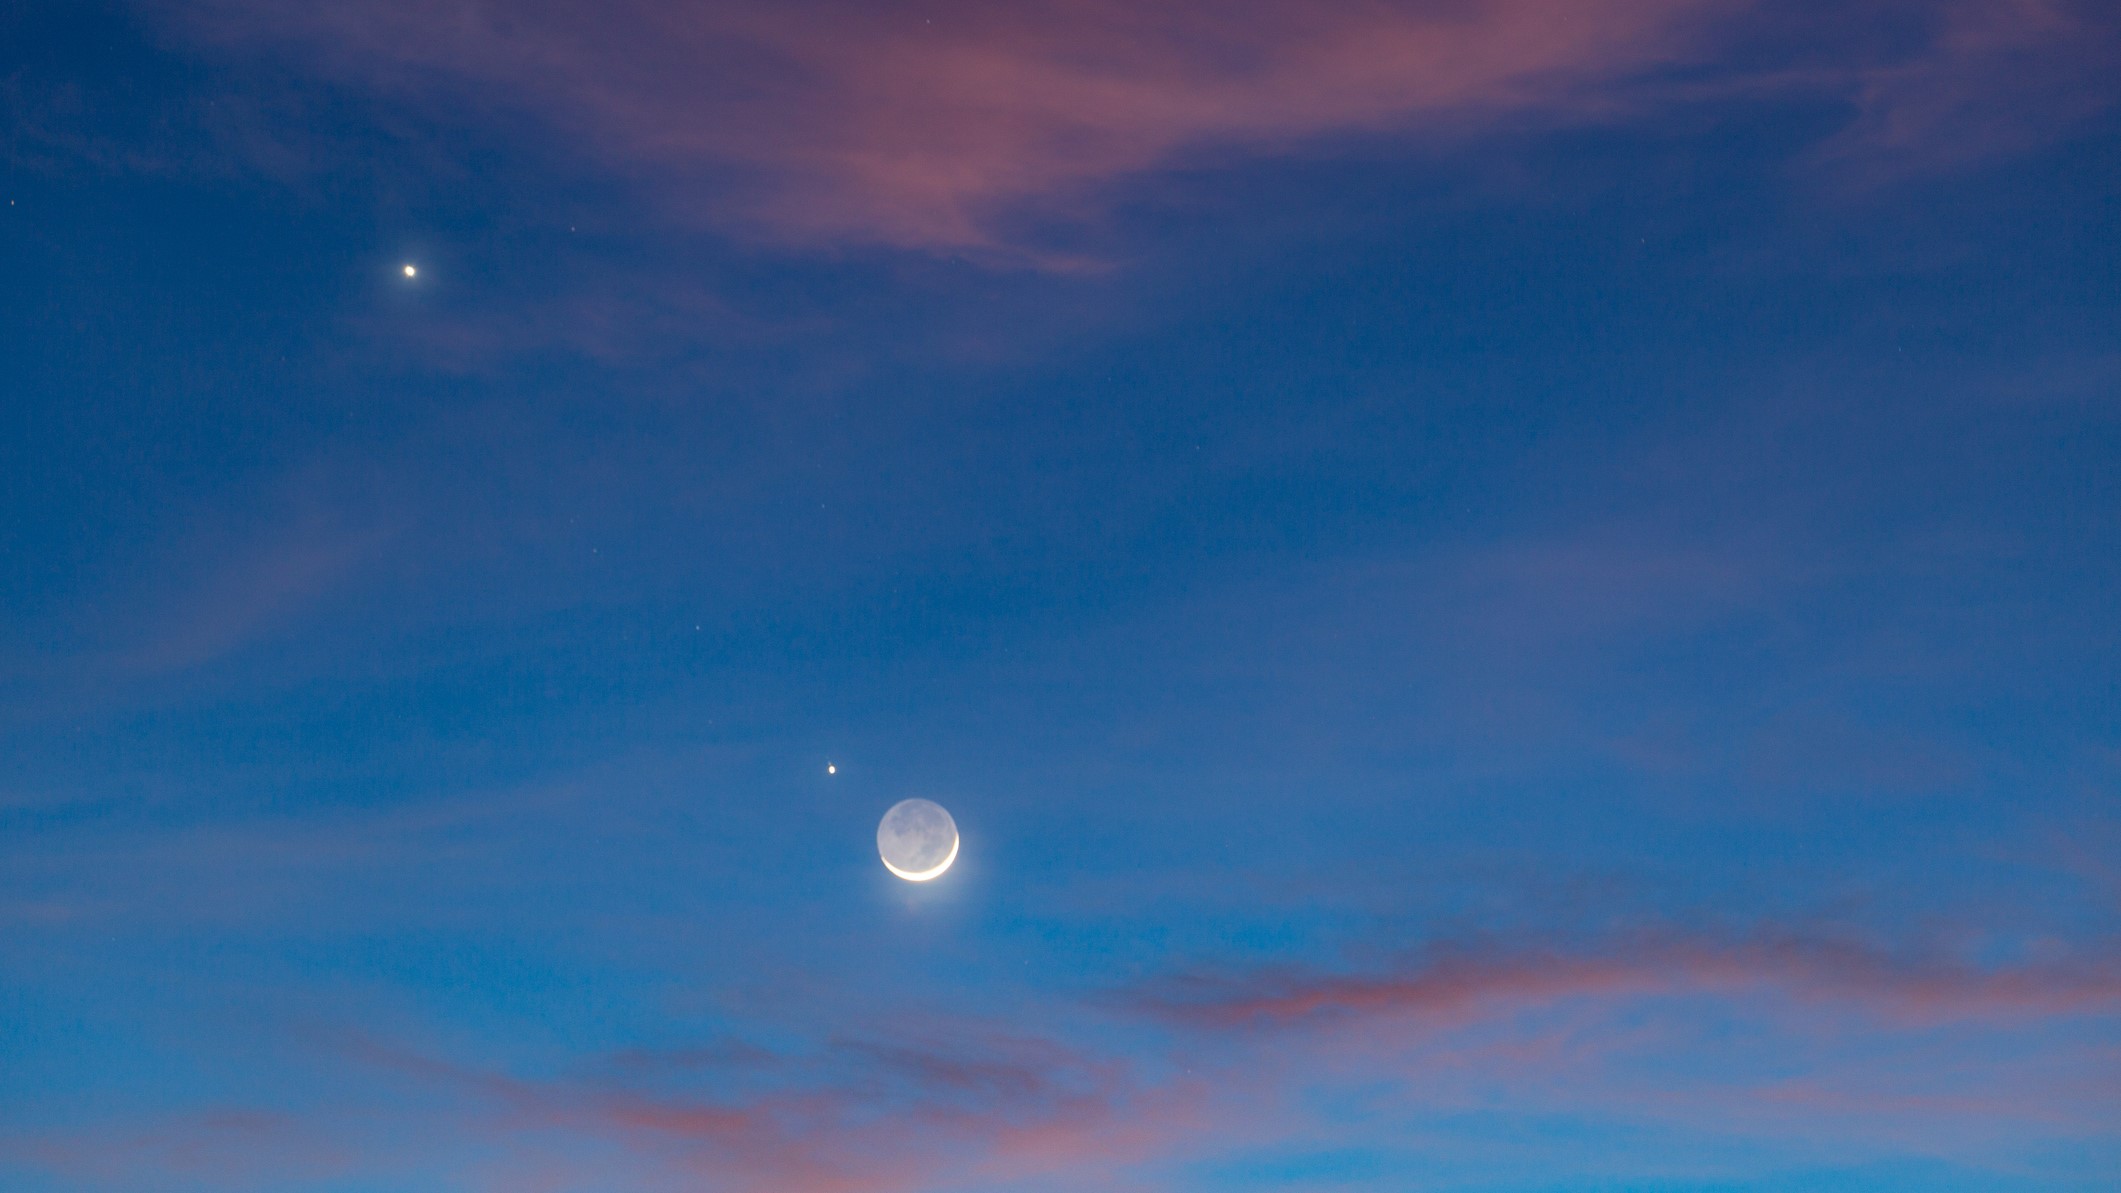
(950, 126)
(930, 125)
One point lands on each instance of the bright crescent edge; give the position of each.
(956, 839)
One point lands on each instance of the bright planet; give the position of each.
(917, 840)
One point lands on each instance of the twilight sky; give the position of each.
(1509, 595)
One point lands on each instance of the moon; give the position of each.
(917, 839)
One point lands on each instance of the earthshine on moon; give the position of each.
(917, 839)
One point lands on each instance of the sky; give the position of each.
(1508, 595)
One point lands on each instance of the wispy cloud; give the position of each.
(1455, 982)
(1871, 1048)
(930, 125)
(963, 128)
(239, 1147)
(1991, 78)
(927, 1108)
(254, 592)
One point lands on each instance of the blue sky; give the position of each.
(1512, 597)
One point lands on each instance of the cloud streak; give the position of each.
(933, 126)
(920, 1109)
(1967, 95)
(958, 127)
(958, 1102)
(1459, 982)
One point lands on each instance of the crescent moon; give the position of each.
(917, 840)
(925, 875)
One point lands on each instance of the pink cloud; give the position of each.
(240, 1146)
(963, 1104)
(1993, 78)
(256, 594)
(944, 125)
(1463, 983)
(929, 125)
(909, 1114)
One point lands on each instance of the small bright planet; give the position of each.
(917, 839)
(411, 272)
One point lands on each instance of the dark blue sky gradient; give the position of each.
(1552, 642)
